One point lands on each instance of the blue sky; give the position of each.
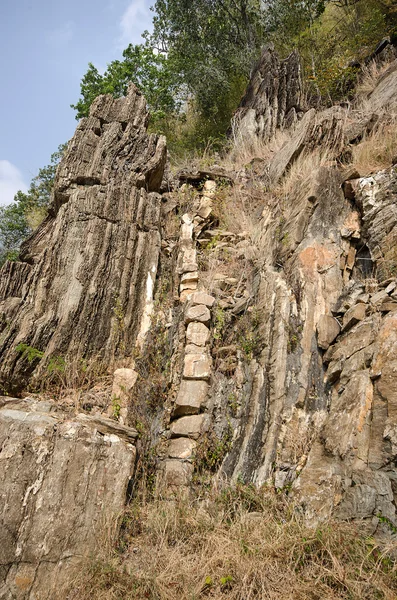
(45, 47)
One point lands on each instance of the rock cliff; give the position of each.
(85, 282)
(251, 312)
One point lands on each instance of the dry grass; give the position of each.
(244, 148)
(240, 545)
(371, 74)
(75, 383)
(300, 174)
(378, 151)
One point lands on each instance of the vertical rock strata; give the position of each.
(284, 334)
(274, 97)
(84, 286)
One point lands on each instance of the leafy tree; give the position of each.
(212, 44)
(20, 218)
(287, 18)
(149, 70)
(200, 52)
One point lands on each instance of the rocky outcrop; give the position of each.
(274, 97)
(63, 483)
(84, 286)
(276, 310)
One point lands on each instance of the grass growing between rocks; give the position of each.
(377, 151)
(240, 544)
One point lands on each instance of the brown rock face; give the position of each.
(273, 98)
(61, 482)
(85, 283)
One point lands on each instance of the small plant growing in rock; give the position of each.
(32, 354)
(210, 453)
(116, 407)
(57, 364)
(248, 334)
(220, 319)
(232, 403)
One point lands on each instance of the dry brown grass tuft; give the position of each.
(75, 382)
(371, 74)
(300, 174)
(378, 151)
(241, 545)
(244, 148)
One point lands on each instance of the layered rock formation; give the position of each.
(280, 313)
(63, 483)
(274, 97)
(85, 282)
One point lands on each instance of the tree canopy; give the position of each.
(19, 219)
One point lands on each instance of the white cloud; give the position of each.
(61, 36)
(10, 182)
(136, 18)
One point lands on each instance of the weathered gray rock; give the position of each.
(176, 474)
(328, 329)
(197, 366)
(203, 298)
(181, 448)
(89, 269)
(354, 315)
(124, 381)
(273, 98)
(191, 397)
(61, 481)
(199, 313)
(198, 334)
(316, 129)
(190, 427)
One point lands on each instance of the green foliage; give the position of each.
(387, 522)
(116, 407)
(56, 364)
(149, 70)
(226, 582)
(248, 333)
(20, 218)
(32, 354)
(220, 321)
(210, 452)
(329, 36)
(192, 69)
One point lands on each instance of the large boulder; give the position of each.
(63, 480)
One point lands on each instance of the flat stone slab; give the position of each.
(328, 329)
(354, 315)
(189, 427)
(177, 473)
(203, 298)
(61, 477)
(197, 333)
(181, 448)
(197, 366)
(193, 349)
(191, 397)
(199, 313)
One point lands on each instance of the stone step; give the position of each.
(192, 397)
(189, 427)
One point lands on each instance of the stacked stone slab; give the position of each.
(187, 259)
(188, 418)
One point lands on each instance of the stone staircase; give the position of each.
(189, 419)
